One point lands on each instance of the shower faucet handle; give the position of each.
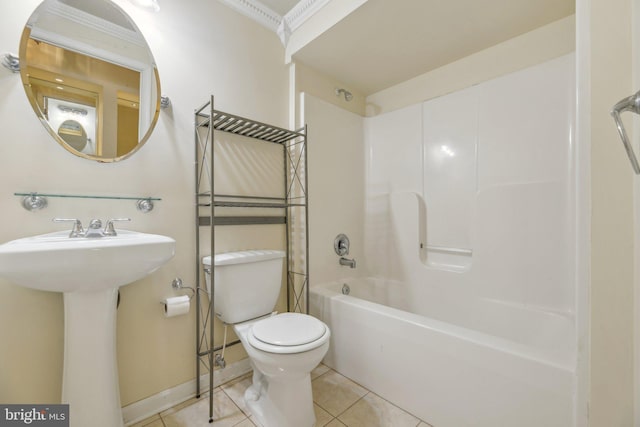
(109, 229)
(341, 245)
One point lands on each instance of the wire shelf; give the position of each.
(238, 125)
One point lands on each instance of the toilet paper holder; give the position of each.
(180, 305)
(177, 284)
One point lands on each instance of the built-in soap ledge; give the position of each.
(35, 201)
(446, 258)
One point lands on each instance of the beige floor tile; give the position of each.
(322, 416)
(374, 411)
(235, 390)
(334, 396)
(255, 422)
(238, 379)
(334, 393)
(154, 421)
(319, 370)
(179, 406)
(225, 412)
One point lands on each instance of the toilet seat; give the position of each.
(288, 333)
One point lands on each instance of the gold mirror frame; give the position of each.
(45, 62)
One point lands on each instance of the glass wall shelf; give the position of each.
(34, 201)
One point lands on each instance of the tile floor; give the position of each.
(338, 402)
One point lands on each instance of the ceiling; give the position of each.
(386, 42)
(280, 6)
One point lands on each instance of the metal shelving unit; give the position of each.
(292, 212)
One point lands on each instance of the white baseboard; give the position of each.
(166, 399)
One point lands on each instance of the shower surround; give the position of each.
(469, 245)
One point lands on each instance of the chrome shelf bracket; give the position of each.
(34, 202)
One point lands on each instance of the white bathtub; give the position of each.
(485, 373)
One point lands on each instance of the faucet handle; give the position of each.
(341, 245)
(109, 229)
(77, 230)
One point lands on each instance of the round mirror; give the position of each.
(90, 76)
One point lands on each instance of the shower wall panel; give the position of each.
(393, 165)
(450, 137)
(488, 170)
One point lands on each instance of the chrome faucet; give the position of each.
(94, 229)
(341, 246)
(348, 262)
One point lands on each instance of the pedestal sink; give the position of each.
(89, 272)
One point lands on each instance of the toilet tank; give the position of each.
(247, 283)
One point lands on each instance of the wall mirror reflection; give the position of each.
(74, 134)
(75, 124)
(86, 64)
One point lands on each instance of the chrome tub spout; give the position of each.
(348, 262)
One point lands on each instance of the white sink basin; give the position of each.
(56, 262)
(89, 272)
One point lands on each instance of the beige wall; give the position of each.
(336, 159)
(323, 87)
(336, 189)
(534, 47)
(201, 48)
(612, 250)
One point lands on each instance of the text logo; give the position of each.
(34, 415)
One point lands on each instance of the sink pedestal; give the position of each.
(89, 272)
(90, 376)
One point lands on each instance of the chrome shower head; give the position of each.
(348, 96)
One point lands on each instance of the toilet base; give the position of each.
(276, 403)
(281, 395)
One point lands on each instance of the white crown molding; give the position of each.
(303, 11)
(284, 32)
(79, 46)
(257, 11)
(72, 14)
(283, 26)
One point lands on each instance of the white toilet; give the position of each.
(283, 348)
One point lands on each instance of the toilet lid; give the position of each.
(288, 329)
